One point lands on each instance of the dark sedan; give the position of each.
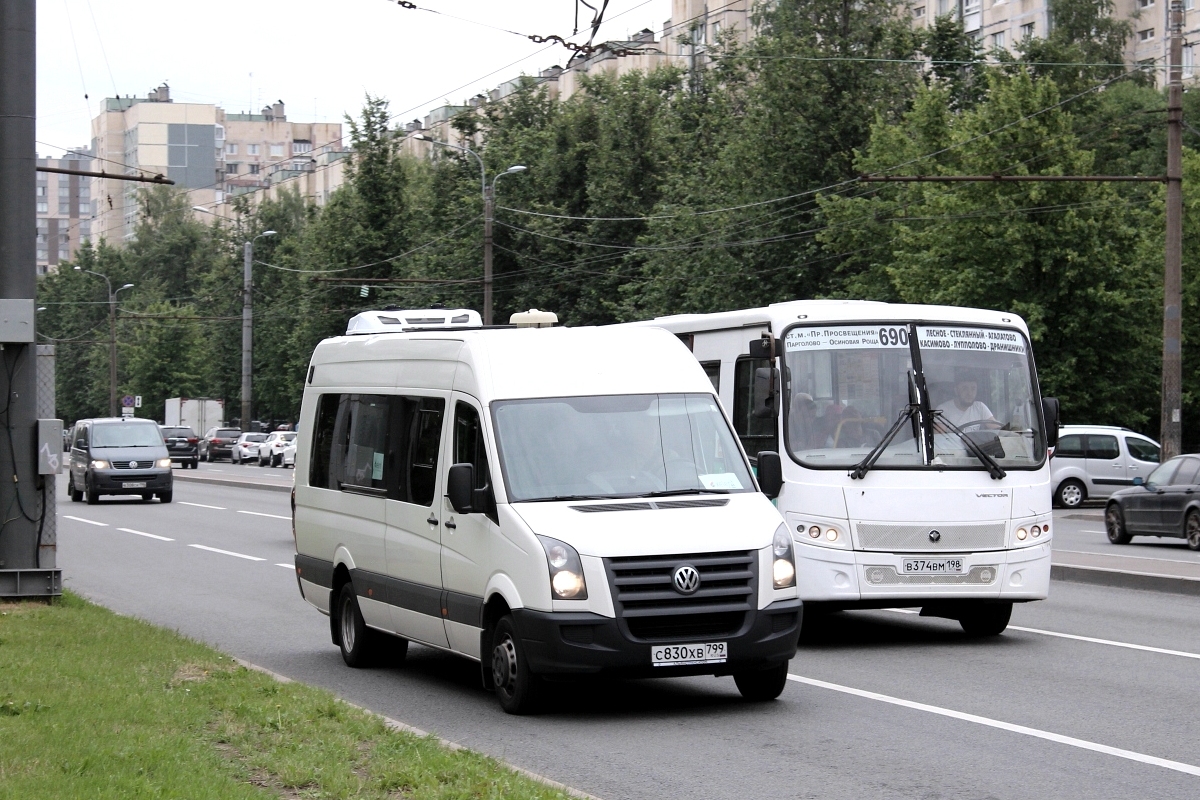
(218, 443)
(1167, 503)
(183, 445)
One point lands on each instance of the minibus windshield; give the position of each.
(123, 434)
(617, 446)
(847, 383)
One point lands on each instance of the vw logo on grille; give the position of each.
(935, 536)
(133, 465)
(686, 579)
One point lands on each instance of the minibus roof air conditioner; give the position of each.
(393, 320)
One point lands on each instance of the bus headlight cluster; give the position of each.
(1032, 532)
(783, 566)
(817, 532)
(566, 570)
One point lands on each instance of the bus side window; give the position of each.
(757, 433)
(713, 370)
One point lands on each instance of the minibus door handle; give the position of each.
(432, 520)
(450, 524)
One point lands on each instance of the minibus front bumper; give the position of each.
(582, 643)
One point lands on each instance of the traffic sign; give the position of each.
(137, 401)
(127, 401)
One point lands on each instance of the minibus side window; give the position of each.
(757, 433)
(414, 437)
(322, 442)
(470, 447)
(366, 434)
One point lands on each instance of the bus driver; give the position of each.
(964, 409)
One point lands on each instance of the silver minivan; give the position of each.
(1092, 461)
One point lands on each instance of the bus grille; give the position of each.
(921, 538)
(649, 608)
(888, 576)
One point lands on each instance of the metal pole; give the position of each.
(112, 350)
(1171, 434)
(487, 254)
(18, 283)
(247, 334)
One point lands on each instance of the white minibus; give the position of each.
(915, 449)
(549, 502)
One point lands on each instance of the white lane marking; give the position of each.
(201, 505)
(287, 566)
(147, 535)
(1122, 555)
(261, 514)
(1058, 738)
(1078, 638)
(214, 470)
(226, 552)
(88, 521)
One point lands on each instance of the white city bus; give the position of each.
(910, 444)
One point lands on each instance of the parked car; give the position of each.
(1167, 503)
(183, 445)
(246, 447)
(288, 458)
(270, 452)
(1092, 461)
(116, 455)
(218, 443)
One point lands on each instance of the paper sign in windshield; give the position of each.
(985, 340)
(720, 480)
(846, 337)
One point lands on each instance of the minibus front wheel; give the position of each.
(517, 688)
(760, 685)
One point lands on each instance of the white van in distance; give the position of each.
(548, 502)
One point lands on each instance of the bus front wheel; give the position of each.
(989, 619)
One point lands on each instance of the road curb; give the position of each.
(397, 725)
(1123, 579)
(180, 476)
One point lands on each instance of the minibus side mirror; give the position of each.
(765, 380)
(770, 473)
(460, 486)
(1050, 412)
(1139, 480)
(81, 444)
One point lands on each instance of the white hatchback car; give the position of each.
(270, 452)
(246, 447)
(288, 458)
(1092, 461)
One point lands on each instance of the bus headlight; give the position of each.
(566, 570)
(783, 566)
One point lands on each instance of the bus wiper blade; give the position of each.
(994, 469)
(862, 467)
(672, 492)
(560, 497)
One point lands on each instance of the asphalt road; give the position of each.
(1090, 694)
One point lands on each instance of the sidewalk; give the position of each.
(268, 481)
(1127, 572)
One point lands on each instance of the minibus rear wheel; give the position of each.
(517, 688)
(762, 684)
(357, 640)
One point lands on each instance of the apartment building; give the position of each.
(205, 150)
(64, 210)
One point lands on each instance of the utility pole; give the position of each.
(1171, 434)
(488, 211)
(247, 332)
(22, 571)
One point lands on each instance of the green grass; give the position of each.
(94, 705)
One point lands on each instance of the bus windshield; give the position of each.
(846, 385)
(617, 446)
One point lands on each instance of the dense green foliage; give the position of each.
(731, 186)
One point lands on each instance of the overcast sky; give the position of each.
(320, 58)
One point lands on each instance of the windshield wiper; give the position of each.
(994, 469)
(672, 492)
(559, 497)
(861, 468)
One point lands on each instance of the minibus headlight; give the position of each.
(783, 567)
(100, 464)
(163, 463)
(566, 570)
(1021, 534)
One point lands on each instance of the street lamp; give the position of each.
(489, 191)
(247, 321)
(112, 338)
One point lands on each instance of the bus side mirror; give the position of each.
(770, 473)
(1050, 412)
(765, 381)
(460, 486)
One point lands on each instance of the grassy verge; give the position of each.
(93, 705)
